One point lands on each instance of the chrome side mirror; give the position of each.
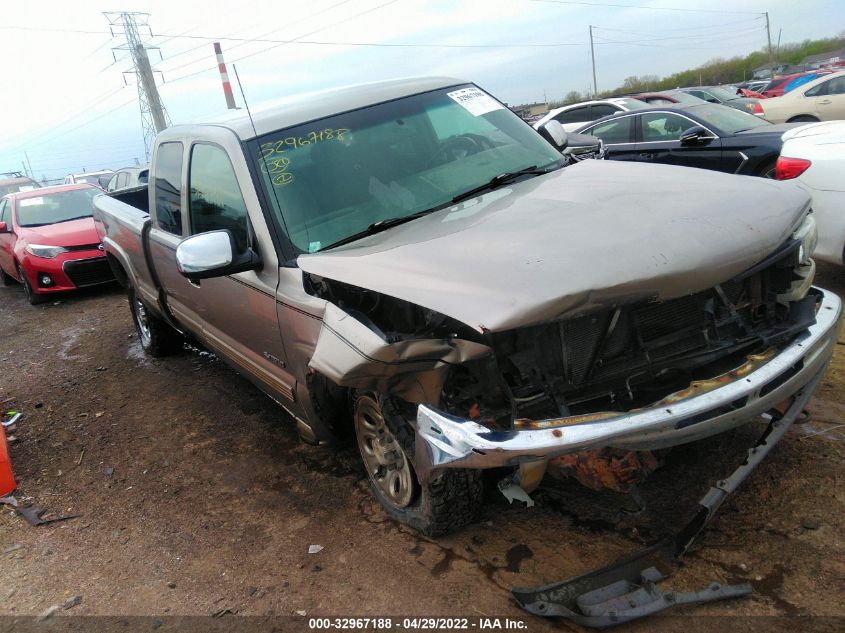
(695, 135)
(213, 254)
(554, 133)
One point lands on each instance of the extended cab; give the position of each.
(410, 260)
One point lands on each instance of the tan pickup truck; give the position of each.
(411, 260)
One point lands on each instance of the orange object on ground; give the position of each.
(7, 477)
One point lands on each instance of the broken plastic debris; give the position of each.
(315, 549)
(513, 491)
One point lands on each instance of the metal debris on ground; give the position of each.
(315, 549)
(72, 602)
(513, 491)
(588, 599)
(35, 515)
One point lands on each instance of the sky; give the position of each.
(69, 105)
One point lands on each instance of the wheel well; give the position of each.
(802, 117)
(118, 270)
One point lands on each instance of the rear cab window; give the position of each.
(168, 187)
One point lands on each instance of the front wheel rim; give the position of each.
(142, 320)
(387, 464)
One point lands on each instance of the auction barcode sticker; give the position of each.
(475, 101)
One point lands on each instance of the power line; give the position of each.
(637, 6)
(688, 28)
(710, 36)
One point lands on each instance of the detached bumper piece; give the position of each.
(625, 590)
(623, 600)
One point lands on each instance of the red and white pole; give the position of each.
(224, 75)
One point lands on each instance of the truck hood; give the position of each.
(598, 233)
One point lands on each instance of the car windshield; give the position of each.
(633, 104)
(725, 119)
(721, 93)
(686, 98)
(53, 208)
(333, 178)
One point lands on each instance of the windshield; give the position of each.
(686, 98)
(721, 93)
(334, 177)
(53, 208)
(725, 119)
(21, 186)
(633, 104)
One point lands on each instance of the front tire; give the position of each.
(157, 337)
(449, 501)
(33, 297)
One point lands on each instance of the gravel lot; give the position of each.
(196, 498)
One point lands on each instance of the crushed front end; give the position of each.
(638, 376)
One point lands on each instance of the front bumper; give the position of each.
(704, 409)
(67, 271)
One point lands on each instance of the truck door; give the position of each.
(167, 230)
(238, 312)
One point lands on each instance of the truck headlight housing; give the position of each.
(808, 235)
(46, 252)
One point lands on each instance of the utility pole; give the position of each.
(224, 77)
(771, 55)
(154, 117)
(593, 56)
(29, 164)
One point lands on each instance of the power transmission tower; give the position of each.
(154, 117)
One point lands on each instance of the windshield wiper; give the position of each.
(498, 181)
(81, 217)
(383, 225)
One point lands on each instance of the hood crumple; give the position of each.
(598, 233)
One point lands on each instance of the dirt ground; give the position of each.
(195, 498)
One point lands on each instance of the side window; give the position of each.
(4, 211)
(662, 126)
(216, 201)
(602, 110)
(142, 177)
(817, 91)
(575, 115)
(112, 184)
(122, 180)
(168, 187)
(836, 86)
(616, 131)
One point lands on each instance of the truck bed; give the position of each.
(122, 221)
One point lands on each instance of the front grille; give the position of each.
(88, 272)
(624, 356)
(84, 247)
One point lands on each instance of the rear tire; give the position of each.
(157, 337)
(33, 297)
(386, 440)
(803, 119)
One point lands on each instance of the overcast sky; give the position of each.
(65, 103)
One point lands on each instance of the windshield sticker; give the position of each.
(30, 202)
(475, 101)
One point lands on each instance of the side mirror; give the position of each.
(213, 254)
(3, 228)
(696, 135)
(554, 133)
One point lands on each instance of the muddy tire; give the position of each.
(157, 337)
(386, 440)
(33, 297)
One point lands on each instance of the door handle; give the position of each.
(648, 154)
(824, 101)
(195, 284)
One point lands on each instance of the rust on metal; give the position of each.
(605, 468)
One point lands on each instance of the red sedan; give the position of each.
(48, 241)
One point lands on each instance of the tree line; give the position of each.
(715, 72)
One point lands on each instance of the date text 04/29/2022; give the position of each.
(418, 623)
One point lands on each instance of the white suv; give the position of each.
(573, 116)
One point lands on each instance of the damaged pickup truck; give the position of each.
(410, 261)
